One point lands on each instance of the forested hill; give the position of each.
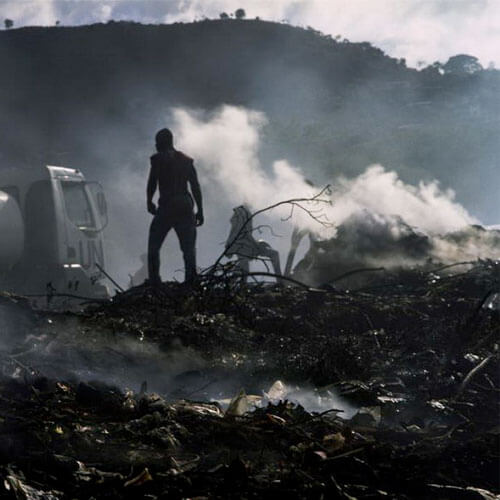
(97, 92)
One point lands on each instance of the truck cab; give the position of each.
(60, 221)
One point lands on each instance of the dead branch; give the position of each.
(283, 278)
(478, 368)
(447, 266)
(356, 271)
(109, 277)
(295, 202)
(260, 227)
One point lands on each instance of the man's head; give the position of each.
(164, 140)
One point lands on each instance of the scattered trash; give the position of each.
(238, 405)
(367, 417)
(16, 484)
(492, 302)
(277, 392)
(387, 393)
(140, 479)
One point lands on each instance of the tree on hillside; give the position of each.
(240, 14)
(223, 15)
(8, 23)
(462, 64)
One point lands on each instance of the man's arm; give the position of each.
(151, 188)
(196, 190)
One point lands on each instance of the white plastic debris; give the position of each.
(492, 302)
(277, 392)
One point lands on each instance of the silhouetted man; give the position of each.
(172, 171)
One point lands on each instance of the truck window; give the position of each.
(77, 204)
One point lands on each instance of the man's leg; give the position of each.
(160, 226)
(186, 232)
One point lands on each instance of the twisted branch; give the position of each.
(294, 202)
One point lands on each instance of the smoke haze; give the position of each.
(298, 105)
(226, 145)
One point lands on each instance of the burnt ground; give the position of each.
(126, 399)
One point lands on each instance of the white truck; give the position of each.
(51, 233)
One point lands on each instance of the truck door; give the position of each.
(39, 264)
(40, 226)
(84, 241)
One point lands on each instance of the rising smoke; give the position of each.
(225, 145)
(426, 206)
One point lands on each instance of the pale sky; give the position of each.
(418, 30)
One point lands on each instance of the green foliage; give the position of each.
(462, 64)
(240, 14)
(8, 23)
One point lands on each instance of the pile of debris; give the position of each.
(390, 392)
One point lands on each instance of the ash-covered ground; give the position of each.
(232, 390)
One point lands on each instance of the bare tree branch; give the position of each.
(294, 202)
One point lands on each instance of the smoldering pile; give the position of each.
(373, 240)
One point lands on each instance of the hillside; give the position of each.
(92, 95)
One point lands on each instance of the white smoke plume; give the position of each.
(227, 145)
(426, 207)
